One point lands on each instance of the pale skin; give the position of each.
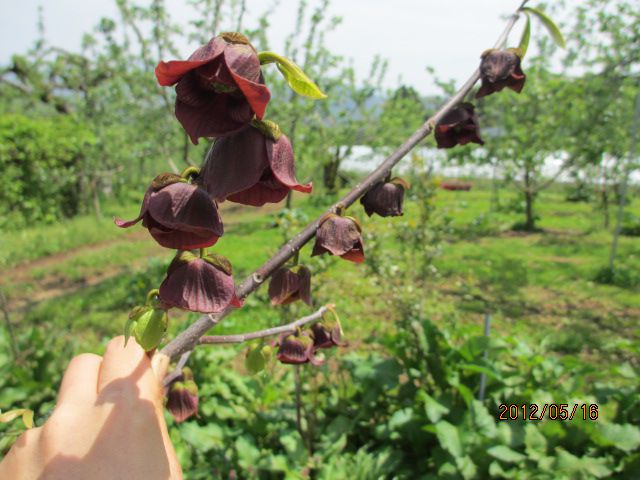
(108, 424)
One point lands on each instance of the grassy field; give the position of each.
(68, 288)
(83, 275)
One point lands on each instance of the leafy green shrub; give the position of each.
(621, 276)
(413, 412)
(631, 226)
(42, 165)
(580, 192)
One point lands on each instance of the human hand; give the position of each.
(108, 424)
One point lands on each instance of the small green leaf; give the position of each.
(535, 442)
(526, 36)
(27, 418)
(505, 454)
(295, 77)
(553, 29)
(624, 437)
(449, 438)
(432, 407)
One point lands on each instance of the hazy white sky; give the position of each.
(411, 34)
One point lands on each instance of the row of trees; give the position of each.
(582, 117)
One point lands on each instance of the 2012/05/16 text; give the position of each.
(552, 411)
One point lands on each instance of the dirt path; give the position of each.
(29, 290)
(23, 272)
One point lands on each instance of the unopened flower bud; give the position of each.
(147, 323)
(385, 198)
(182, 399)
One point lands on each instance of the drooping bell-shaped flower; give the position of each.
(296, 349)
(458, 127)
(340, 236)
(327, 334)
(219, 88)
(290, 284)
(199, 284)
(178, 214)
(385, 198)
(252, 167)
(500, 69)
(182, 397)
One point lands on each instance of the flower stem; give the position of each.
(190, 172)
(152, 293)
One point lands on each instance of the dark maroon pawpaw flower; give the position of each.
(500, 69)
(182, 396)
(178, 214)
(252, 167)
(296, 349)
(340, 236)
(385, 198)
(199, 284)
(458, 127)
(327, 334)
(219, 88)
(287, 286)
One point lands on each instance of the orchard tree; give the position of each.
(604, 41)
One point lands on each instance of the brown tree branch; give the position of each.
(267, 332)
(189, 338)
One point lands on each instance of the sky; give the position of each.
(410, 34)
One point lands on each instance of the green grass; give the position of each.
(41, 240)
(537, 285)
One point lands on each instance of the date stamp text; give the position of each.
(551, 411)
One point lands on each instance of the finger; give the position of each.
(21, 462)
(80, 381)
(127, 371)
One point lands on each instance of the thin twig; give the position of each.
(189, 338)
(267, 332)
(178, 370)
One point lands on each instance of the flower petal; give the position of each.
(355, 255)
(185, 207)
(304, 274)
(199, 287)
(169, 73)
(385, 199)
(338, 235)
(143, 210)
(281, 160)
(244, 67)
(235, 163)
(222, 114)
(258, 195)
